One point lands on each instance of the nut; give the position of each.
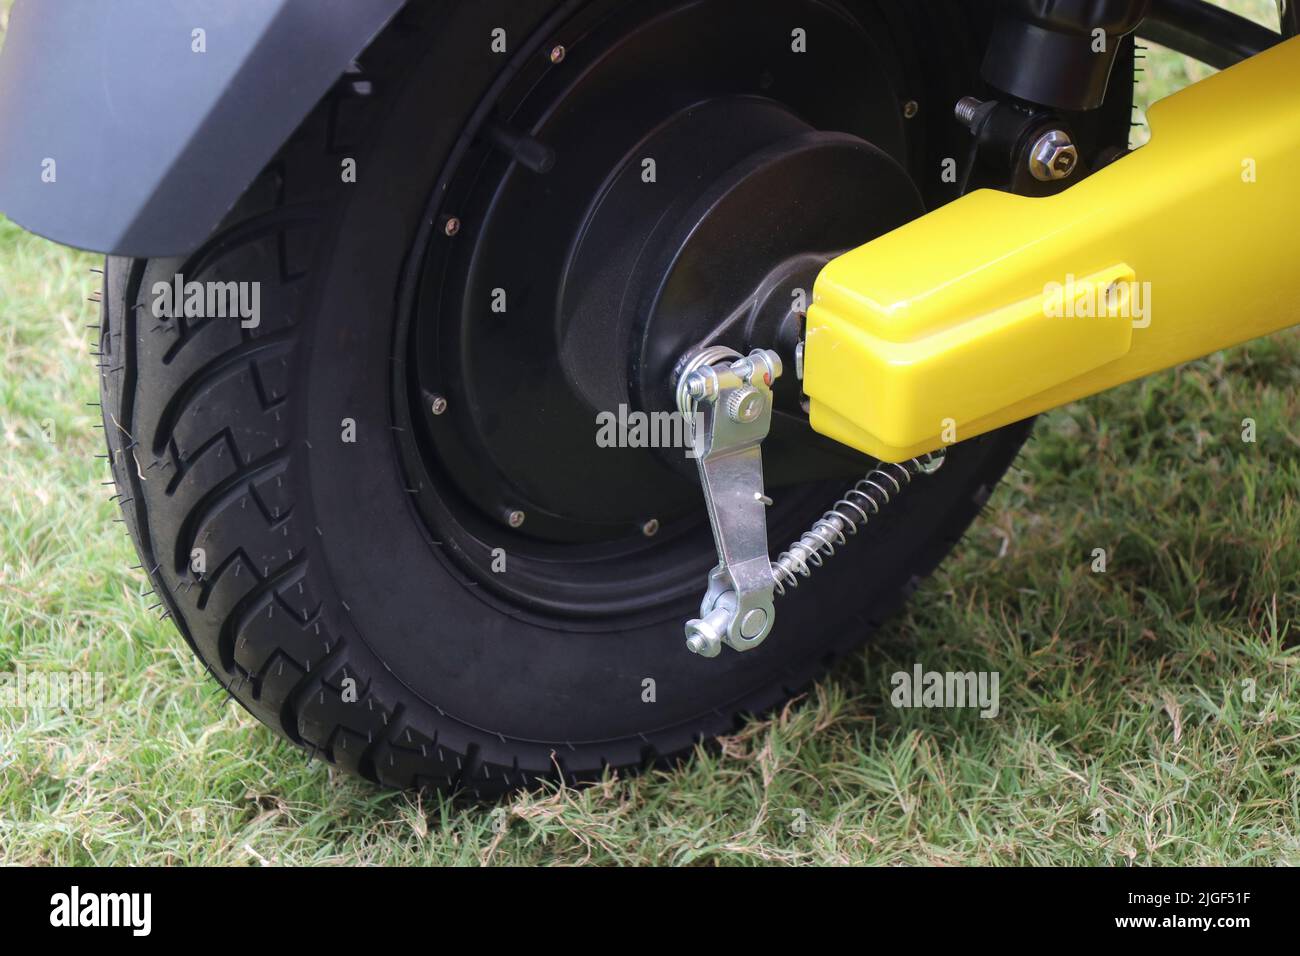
(1053, 157)
(703, 639)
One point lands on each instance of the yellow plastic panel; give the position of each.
(997, 307)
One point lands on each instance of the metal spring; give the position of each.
(847, 516)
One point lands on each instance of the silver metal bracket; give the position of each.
(727, 402)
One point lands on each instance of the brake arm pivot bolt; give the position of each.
(705, 636)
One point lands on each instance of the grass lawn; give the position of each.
(1149, 714)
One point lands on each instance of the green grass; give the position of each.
(1124, 736)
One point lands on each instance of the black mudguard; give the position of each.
(119, 135)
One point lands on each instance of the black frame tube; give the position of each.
(1214, 36)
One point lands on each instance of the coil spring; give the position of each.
(847, 517)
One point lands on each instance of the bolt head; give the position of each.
(558, 54)
(515, 519)
(451, 226)
(438, 405)
(910, 109)
(1053, 157)
(650, 528)
(753, 623)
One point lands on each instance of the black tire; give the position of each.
(318, 570)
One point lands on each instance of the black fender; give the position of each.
(124, 131)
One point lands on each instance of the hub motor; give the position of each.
(593, 245)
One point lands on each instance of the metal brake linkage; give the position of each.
(726, 401)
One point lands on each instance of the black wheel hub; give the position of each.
(668, 177)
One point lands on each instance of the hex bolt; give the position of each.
(557, 54)
(700, 644)
(438, 405)
(451, 226)
(702, 387)
(515, 519)
(704, 637)
(650, 528)
(764, 360)
(1053, 157)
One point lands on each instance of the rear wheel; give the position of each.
(382, 516)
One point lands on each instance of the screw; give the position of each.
(515, 519)
(1053, 156)
(703, 637)
(451, 226)
(702, 387)
(966, 109)
(650, 528)
(1114, 295)
(746, 405)
(439, 405)
(557, 54)
(698, 644)
(910, 109)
